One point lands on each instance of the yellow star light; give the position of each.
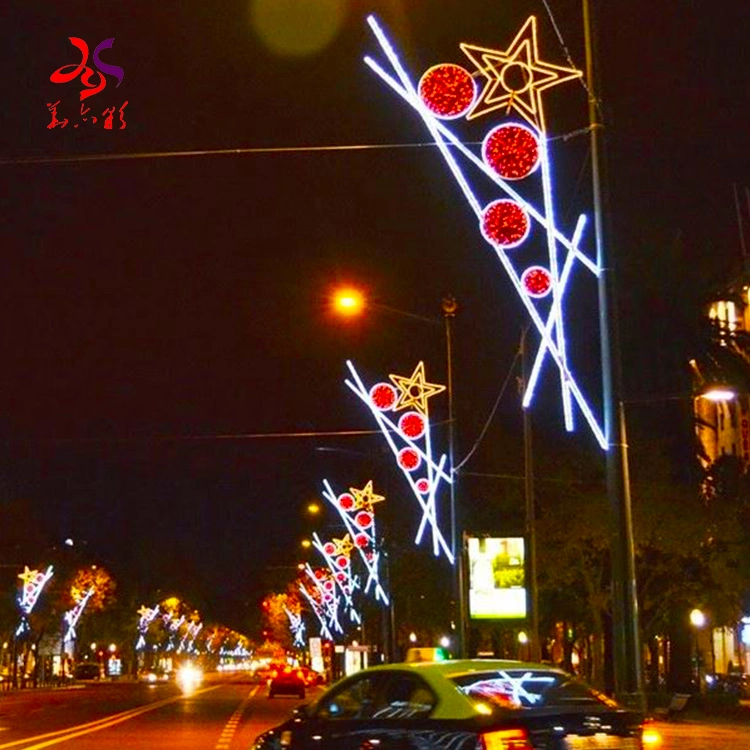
(144, 611)
(365, 498)
(344, 546)
(516, 77)
(415, 390)
(28, 576)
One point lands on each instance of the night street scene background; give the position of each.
(172, 387)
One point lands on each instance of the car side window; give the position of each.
(354, 700)
(406, 696)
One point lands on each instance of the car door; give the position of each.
(341, 718)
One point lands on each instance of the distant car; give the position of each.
(462, 705)
(153, 676)
(87, 671)
(287, 680)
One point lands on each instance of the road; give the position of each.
(219, 715)
(224, 714)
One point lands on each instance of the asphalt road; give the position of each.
(220, 715)
(223, 715)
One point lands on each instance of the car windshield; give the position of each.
(526, 688)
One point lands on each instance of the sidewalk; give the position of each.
(694, 731)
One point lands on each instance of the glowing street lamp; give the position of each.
(348, 302)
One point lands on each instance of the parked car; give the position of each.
(734, 683)
(287, 681)
(464, 705)
(87, 671)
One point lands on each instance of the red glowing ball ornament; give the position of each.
(341, 577)
(412, 424)
(447, 90)
(505, 223)
(383, 395)
(329, 548)
(361, 540)
(346, 501)
(342, 561)
(536, 281)
(363, 519)
(423, 486)
(409, 459)
(511, 150)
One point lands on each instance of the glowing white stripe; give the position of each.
(564, 276)
(556, 309)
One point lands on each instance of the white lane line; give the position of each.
(227, 734)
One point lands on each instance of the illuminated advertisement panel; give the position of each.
(497, 584)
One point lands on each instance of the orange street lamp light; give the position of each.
(348, 302)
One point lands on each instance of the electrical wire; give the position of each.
(250, 150)
(486, 427)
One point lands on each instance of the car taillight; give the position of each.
(506, 739)
(301, 676)
(274, 674)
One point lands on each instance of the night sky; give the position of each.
(160, 316)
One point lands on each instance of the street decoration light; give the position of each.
(324, 600)
(297, 626)
(515, 79)
(355, 508)
(146, 615)
(337, 555)
(72, 616)
(410, 440)
(33, 583)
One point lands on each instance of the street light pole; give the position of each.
(528, 483)
(450, 307)
(626, 641)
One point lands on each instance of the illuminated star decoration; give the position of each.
(33, 583)
(515, 80)
(337, 555)
(72, 616)
(355, 510)
(410, 440)
(297, 626)
(516, 77)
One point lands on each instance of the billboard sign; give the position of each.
(497, 579)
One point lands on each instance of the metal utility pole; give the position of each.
(626, 640)
(450, 307)
(528, 485)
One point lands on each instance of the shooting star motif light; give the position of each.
(410, 440)
(297, 626)
(33, 583)
(147, 616)
(72, 616)
(362, 529)
(322, 603)
(514, 80)
(337, 554)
